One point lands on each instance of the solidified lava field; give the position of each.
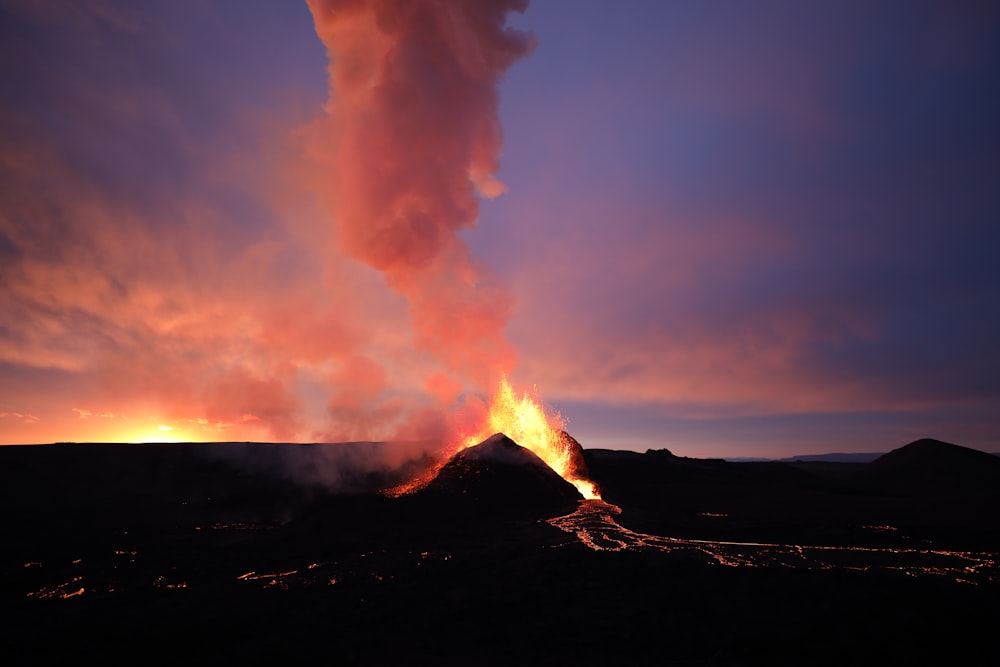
(162, 554)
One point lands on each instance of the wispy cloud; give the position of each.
(25, 417)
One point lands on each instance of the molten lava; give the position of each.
(525, 422)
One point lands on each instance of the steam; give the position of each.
(410, 141)
(347, 467)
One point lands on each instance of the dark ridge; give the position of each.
(834, 457)
(931, 451)
(928, 464)
(123, 471)
(498, 476)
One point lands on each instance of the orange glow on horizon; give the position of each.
(156, 433)
(155, 430)
(154, 426)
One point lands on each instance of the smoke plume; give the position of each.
(410, 142)
(168, 266)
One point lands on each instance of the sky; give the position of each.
(724, 228)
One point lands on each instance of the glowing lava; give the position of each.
(594, 524)
(525, 422)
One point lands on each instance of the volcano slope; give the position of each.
(169, 554)
(498, 477)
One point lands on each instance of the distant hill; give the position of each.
(929, 464)
(836, 457)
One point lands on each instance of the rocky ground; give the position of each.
(167, 553)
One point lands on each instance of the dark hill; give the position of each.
(498, 476)
(928, 465)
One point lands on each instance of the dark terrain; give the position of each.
(212, 554)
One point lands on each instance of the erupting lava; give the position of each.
(525, 422)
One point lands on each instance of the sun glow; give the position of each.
(524, 421)
(158, 433)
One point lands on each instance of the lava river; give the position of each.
(594, 524)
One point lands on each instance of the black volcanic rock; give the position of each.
(929, 464)
(183, 558)
(498, 476)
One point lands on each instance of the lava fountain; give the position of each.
(524, 421)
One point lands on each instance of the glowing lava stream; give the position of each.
(594, 524)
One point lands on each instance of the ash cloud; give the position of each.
(191, 244)
(411, 137)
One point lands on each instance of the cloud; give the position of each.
(752, 212)
(21, 416)
(154, 258)
(87, 414)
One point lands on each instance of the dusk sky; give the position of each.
(728, 229)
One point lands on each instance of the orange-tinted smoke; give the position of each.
(410, 138)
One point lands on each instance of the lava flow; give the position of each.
(594, 524)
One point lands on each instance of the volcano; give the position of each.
(198, 557)
(498, 476)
